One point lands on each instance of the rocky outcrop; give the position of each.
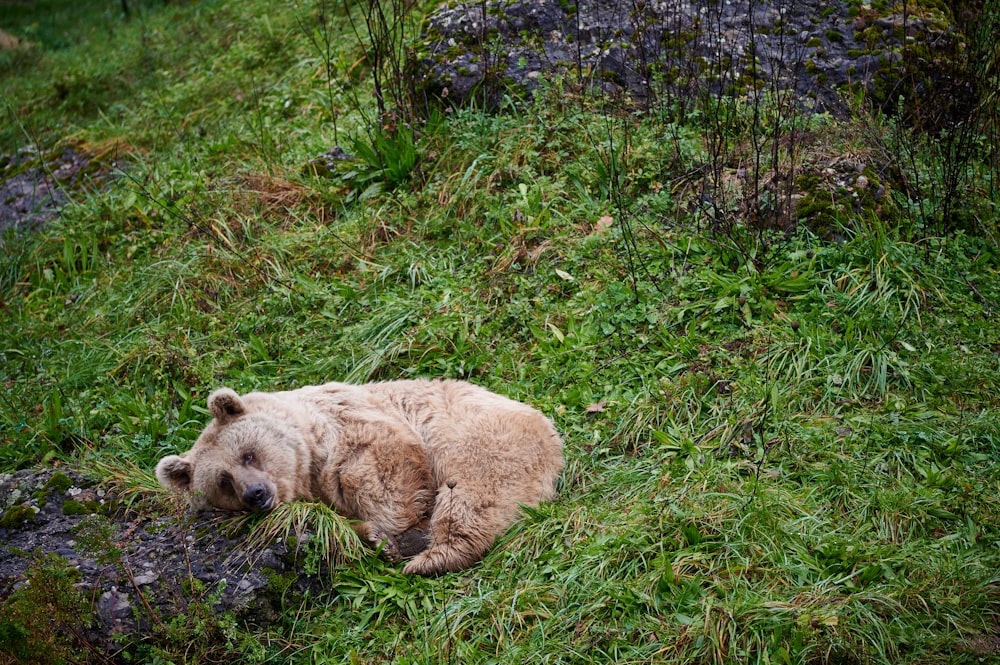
(134, 572)
(676, 49)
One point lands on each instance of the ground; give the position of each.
(136, 570)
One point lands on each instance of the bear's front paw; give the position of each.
(389, 549)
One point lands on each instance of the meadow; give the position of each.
(782, 429)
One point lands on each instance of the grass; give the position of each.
(781, 447)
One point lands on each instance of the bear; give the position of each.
(430, 471)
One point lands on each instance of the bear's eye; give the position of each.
(248, 459)
(225, 482)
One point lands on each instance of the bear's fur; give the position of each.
(435, 470)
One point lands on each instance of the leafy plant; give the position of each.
(385, 162)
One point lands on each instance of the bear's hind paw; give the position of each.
(412, 542)
(437, 562)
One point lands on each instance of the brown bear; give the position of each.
(433, 470)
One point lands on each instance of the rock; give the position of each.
(114, 604)
(34, 187)
(149, 557)
(327, 162)
(146, 578)
(677, 49)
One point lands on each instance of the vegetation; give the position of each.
(782, 428)
(42, 621)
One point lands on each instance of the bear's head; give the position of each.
(243, 460)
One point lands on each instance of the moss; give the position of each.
(814, 208)
(278, 585)
(59, 482)
(679, 38)
(824, 206)
(875, 198)
(834, 36)
(15, 516)
(817, 207)
(814, 42)
(74, 507)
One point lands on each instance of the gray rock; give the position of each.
(482, 49)
(158, 557)
(35, 187)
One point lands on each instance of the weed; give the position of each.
(14, 517)
(44, 620)
(385, 163)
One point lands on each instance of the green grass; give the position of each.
(780, 448)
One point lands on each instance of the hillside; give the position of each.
(765, 324)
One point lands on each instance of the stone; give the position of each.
(158, 552)
(809, 50)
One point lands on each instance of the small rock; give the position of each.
(114, 603)
(146, 578)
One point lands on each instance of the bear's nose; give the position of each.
(256, 496)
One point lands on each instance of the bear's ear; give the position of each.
(174, 473)
(225, 405)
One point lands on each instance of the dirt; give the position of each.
(32, 195)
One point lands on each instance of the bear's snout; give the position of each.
(258, 497)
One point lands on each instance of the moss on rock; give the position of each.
(74, 507)
(15, 516)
